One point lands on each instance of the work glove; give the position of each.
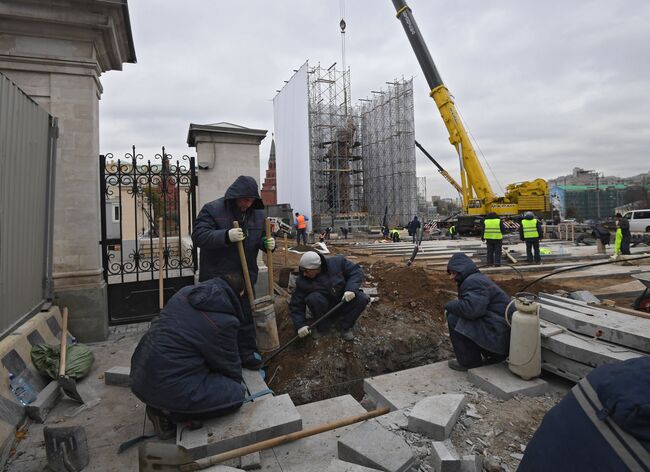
(236, 234)
(348, 296)
(269, 244)
(304, 331)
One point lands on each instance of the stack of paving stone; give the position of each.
(577, 336)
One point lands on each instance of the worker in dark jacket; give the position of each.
(492, 234)
(478, 330)
(530, 231)
(602, 424)
(602, 236)
(187, 364)
(623, 235)
(323, 283)
(413, 228)
(216, 237)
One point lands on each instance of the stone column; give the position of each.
(225, 151)
(56, 53)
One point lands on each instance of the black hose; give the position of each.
(593, 264)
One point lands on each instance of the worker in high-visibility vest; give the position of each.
(394, 235)
(453, 232)
(623, 236)
(493, 230)
(301, 228)
(530, 232)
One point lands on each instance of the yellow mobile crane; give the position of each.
(478, 197)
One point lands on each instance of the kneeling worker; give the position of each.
(187, 365)
(478, 331)
(324, 282)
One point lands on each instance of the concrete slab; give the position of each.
(118, 376)
(393, 421)
(444, 457)
(584, 296)
(567, 368)
(499, 381)
(338, 465)
(222, 468)
(402, 389)
(256, 421)
(371, 445)
(471, 464)
(435, 416)
(45, 401)
(250, 461)
(253, 381)
(315, 453)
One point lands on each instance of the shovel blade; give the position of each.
(161, 456)
(69, 387)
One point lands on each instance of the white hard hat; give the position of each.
(310, 260)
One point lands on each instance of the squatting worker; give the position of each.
(478, 331)
(214, 234)
(323, 283)
(187, 365)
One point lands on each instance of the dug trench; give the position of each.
(403, 327)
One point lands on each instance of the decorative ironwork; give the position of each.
(136, 193)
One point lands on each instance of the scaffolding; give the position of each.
(388, 151)
(336, 169)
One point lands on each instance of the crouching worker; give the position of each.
(187, 365)
(322, 284)
(478, 331)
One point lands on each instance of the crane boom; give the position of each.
(442, 171)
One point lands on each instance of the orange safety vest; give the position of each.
(301, 222)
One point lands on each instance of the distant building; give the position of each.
(269, 193)
(580, 176)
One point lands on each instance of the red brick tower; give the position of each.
(269, 194)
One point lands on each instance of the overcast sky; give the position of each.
(543, 86)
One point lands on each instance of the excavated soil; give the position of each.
(403, 327)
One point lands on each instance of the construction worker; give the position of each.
(413, 228)
(530, 231)
(478, 331)
(214, 235)
(453, 232)
(492, 234)
(623, 236)
(301, 228)
(322, 284)
(385, 232)
(394, 235)
(187, 365)
(602, 236)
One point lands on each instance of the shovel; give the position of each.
(68, 385)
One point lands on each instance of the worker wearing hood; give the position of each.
(478, 330)
(216, 237)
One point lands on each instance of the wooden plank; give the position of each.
(617, 328)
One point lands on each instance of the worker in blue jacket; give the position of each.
(478, 330)
(187, 365)
(217, 239)
(322, 284)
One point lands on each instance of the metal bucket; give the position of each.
(266, 329)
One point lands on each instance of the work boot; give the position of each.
(163, 426)
(455, 365)
(252, 361)
(346, 335)
(494, 359)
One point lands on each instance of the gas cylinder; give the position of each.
(525, 347)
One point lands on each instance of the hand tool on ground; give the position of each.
(313, 325)
(68, 385)
(260, 446)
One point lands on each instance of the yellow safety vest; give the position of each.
(493, 229)
(530, 228)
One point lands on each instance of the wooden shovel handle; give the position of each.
(64, 341)
(244, 267)
(269, 259)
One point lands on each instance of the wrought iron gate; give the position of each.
(145, 202)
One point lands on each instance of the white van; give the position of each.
(639, 220)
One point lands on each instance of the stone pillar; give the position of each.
(56, 53)
(225, 151)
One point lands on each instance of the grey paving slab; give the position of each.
(118, 376)
(222, 468)
(45, 401)
(567, 368)
(372, 445)
(582, 348)
(253, 381)
(435, 416)
(618, 328)
(393, 421)
(253, 422)
(399, 390)
(584, 296)
(314, 453)
(471, 464)
(338, 465)
(444, 457)
(499, 381)
(250, 461)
